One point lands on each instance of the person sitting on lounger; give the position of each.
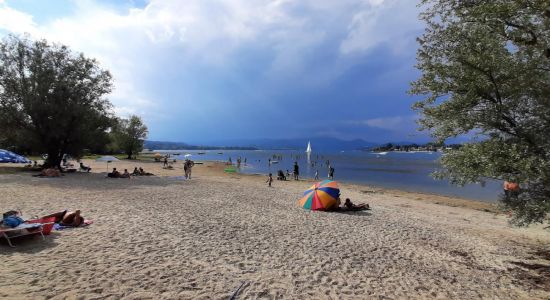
(114, 174)
(355, 207)
(85, 168)
(73, 219)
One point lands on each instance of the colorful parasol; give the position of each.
(320, 196)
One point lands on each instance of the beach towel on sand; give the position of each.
(84, 224)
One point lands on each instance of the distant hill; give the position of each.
(317, 143)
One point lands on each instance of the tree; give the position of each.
(486, 71)
(52, 99)
(129, 135)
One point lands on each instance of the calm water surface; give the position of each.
(404, 171)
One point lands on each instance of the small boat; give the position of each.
(201, 153)
(274, 162)
(220, 152)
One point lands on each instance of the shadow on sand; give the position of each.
(29, 244)
(90, 181)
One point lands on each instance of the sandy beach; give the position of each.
(163, 237)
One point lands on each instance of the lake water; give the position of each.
(398, 170)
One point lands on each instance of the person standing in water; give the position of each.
(296, 171)
(330, 172)
(316, 174)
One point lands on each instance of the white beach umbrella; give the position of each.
(107, 159)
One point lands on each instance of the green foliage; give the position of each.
(128, 135)
(486, 70)
(51, 99)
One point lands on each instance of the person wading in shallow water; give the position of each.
(296, 171)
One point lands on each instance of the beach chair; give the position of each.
(23, 230)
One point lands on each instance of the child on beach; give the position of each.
(269, 179)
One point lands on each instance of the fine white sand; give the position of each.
(164, 237)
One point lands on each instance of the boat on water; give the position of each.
(308, 150)
(274, 162)
(220, 152)
(201, 153)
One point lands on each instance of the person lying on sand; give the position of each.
(73, 219)
(51, 172)
(355, 207)
(143, 173)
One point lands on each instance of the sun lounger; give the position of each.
(23, 230)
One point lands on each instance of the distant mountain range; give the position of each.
(318, 143)
(158, 145)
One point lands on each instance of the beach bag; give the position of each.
(13, 221)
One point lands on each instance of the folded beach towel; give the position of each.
(84, 224)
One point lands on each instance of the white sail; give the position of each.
(308, 150)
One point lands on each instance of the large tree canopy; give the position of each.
(129, 135)
(51, 99)
(486, 71)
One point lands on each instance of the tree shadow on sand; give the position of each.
(91, 181)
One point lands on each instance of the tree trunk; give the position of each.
(53, 160)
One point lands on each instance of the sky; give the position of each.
(199, 71)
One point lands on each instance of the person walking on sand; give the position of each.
(269, 179)
(165, 161)
(186, 169)
(296, 171)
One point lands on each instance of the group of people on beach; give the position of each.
(296, 174)
(126, 174)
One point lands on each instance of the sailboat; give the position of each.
(308, 150)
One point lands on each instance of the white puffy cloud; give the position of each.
(390, 22)
(15, 21)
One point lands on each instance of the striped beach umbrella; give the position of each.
(320, 196)
(10, 157)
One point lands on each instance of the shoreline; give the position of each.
(452, 201)
(218, 169)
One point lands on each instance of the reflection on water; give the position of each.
(405, 171)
